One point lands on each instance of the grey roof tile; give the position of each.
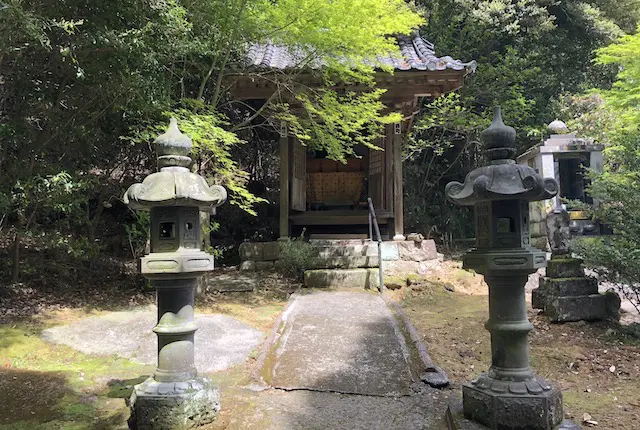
(417, 54)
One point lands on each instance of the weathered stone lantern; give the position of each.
(509, 395)
(175, 396)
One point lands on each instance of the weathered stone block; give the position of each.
(509, 411)
(613, 305)
(170, 406)
(251, 251)
(582, 286)
(417, 251)
(564, 309)
(538, 298)
(271, 251)
(564, 268)
(390, 251)
(344, 262)
(345, 278)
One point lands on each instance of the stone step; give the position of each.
(345, 262)
(579, 286)
(346, 236)
(565, 309)
(341, 242)
(564, 268)
(347, 251)
(366, 278)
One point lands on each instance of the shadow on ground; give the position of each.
(45, 400)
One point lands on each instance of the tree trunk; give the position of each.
(15, 274)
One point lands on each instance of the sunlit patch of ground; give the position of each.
(48, 386)
(596, 364)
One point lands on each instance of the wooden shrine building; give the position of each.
(329, 197)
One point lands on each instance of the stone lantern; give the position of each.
(509, 395)
(175, 396)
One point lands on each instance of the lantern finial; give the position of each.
(173, 147)
(499, 139)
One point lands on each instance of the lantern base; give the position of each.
(170, 405)
(501, 405)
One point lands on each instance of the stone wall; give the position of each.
(264, 255)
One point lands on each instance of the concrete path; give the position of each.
(221, 341)
(339, 360)
(343, 342)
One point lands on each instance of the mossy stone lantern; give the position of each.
(175, 396)
(509, 395)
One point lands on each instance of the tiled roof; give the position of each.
(417, 54)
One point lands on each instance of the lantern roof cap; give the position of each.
(503, 179)
(174, 184)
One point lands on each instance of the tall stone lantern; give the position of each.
(175, 396)
(509, 395)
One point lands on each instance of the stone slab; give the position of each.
(309, 410)
(342, 278)
(565, 268)
(345, 262)
(417, 251)
(251, 251)
(360, 250)
(390, 251)
(565, 309)
(582, 286)
(346, 342)
(220, 342)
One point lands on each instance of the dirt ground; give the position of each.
(49, 386)
(596, 364)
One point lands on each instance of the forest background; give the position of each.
(85, 86)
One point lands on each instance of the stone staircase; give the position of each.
(344, 263)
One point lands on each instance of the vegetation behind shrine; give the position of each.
(85, 88)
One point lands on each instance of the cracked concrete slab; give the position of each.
(220, 342)
(312, 410)
(344, 342)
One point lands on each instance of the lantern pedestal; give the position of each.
(505, 409)
(171, 405)
(509, 395)
(175, 396)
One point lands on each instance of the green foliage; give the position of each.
(532, 57)
(336, 123)
(617, 188)
(138, 233)
(624, 97)
(296, 256)
(86, 89)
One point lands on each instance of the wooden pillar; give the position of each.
(398, 201)
(387, 181)
(284, 182)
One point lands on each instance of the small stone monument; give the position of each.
(175, 396)
(509, 395)
(566, 293)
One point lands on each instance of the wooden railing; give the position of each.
(375, 228)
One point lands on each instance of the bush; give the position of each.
(296, 256)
